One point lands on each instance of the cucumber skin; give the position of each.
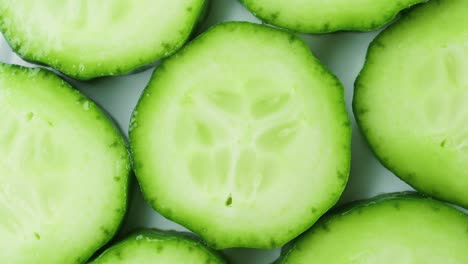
(48, 73)
(327, 29)
(201, 18)
(166, 235)
(168, 214)
(359, 204)
(373, 47)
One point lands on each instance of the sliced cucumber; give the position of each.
(64, 171)
(319, 16)
(88, 39)
(153, 246)
(242, 137)
(411, 99)
(395, 228)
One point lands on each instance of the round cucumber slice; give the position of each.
(393, 228)
(319, 16)
(411, 99)
(242, 137)
(153, 246)
(89, 39)
(64, 171)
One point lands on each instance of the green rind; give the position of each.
(159, 238)
(93, 71)
(360, 87)
(392, 200)
(361, 23)
(119, 144)
(212, 236)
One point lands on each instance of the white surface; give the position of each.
(344, 55)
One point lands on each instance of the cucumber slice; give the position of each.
(411, 99)
(242, 137)
(64, 171)
(393, 228)
(153, 246)
(319, 16)
(89, 39)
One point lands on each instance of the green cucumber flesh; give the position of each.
(242, 137)
(393, 228)
(411, 99)
(64, 171)
(89, 39)
(153, 246)
(319, 16)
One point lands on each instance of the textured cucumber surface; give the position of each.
(411, 99)
(64, 171)
(242, 137)
(152, 246)
(396, 228)
(88, 39)
(319, 16)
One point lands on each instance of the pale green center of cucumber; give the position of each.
(236, 140)
(445, 95)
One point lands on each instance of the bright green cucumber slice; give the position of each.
(242, 137)
(88, 39)
(319, 16)
(393, 228)
(153, 246)
(64, 171)
(411, 99)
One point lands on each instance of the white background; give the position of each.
(342, 53)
